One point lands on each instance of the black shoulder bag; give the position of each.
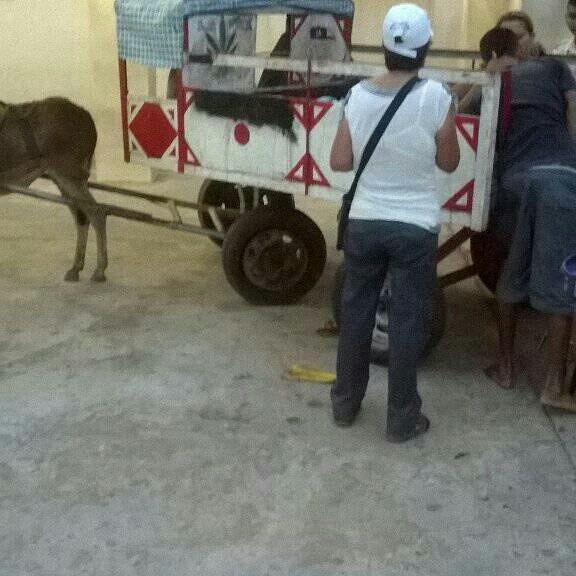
(367, 153)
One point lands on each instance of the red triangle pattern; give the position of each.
(309, 114)
(464, 123)
(319, 110)
(191, 158)
(307, 172)
(455, 203)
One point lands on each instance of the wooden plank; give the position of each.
(139, 99)
(348, 68)
(432, 53)
(458, 76)
(153, 198)
(453, 243)
(457, 276)
(485, 158)
(119, 211)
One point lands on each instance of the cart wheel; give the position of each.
(380, 344)
(227, 195)
(273, 256)
(488, 255)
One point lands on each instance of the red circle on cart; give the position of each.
(242, 134)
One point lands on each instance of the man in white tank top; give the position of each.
(394, 222)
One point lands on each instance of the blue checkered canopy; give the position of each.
(151, 31)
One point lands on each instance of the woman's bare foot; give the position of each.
(564, 401)
(501, 374)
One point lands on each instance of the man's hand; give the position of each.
(500, 64)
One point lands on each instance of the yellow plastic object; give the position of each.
(310, 374)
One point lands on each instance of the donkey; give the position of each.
(56, 138)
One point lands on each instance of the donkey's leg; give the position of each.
(82, 227)
(98, 220)
(78, 193)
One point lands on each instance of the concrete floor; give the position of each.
(146, 428)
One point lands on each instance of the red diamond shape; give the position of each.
(153, 130)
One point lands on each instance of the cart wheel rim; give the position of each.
(275, 260)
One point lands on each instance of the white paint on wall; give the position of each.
(45, 47)
(549, 22)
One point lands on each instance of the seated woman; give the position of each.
(537, 176)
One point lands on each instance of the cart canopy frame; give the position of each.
(151, 32)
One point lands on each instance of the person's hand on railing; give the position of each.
(499, 64)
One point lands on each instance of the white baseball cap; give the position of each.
(405, 29)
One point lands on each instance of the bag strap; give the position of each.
(379, 131)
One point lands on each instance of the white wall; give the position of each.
(548, 16)
(104, 93)
(457, 23)
(44, 47)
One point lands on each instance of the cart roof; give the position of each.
(151, 31)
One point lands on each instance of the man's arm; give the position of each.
(342, 155)
(447, 147)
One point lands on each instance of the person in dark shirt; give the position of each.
(495, 44)
(536, 171)
(521, 24)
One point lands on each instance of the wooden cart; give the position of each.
(258, 128)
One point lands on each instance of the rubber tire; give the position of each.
(379, 355)
(269, 218)
(225, 194)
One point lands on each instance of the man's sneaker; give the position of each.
(345, 420)
(422, 425)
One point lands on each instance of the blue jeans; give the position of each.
(373, 249)
(538, 210)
